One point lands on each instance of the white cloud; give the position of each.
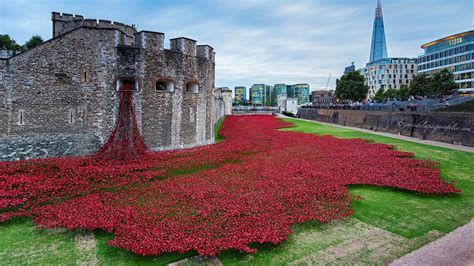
(261, 40)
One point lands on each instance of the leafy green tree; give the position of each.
(420, 85)
(351, 87)
(380, 95)
(404, 92)
(443, 82)
(7, 43)
(391, 94)
(34, 41)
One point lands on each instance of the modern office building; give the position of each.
(383, 71)
(240, 94)
(268, 95)
(279, 90)
(258, 94)
(456, 53)
(299, 91)
(262, 94)
(389, 73)
(378, 48)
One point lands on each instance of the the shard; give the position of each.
(378, 49)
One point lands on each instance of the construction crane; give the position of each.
(327, 83)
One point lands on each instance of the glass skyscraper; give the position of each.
(378, 49)
(383, 72)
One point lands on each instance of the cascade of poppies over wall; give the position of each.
(249, 188)
(125, 142)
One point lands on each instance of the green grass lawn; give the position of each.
(218, 137)
(383, 218)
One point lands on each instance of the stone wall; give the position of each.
(43, 146)
(456, 128)
(221, 105)
(64, 92)
(46, 94)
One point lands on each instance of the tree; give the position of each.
(420, 85)
(7, 43)
(391, 94)
(34, 41)
(351, 87)
(404, 92)
(268, 102)
(380, 95)
(443, 82)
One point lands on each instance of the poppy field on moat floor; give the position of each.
(250, 188)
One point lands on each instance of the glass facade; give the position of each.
(378, 48)
(279, 90)
(299, 91)
(448, 42)
(456, 53)
(268, 95)
(257, 94)
(262, 94)
(240, 94)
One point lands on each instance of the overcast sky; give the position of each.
(258, 41)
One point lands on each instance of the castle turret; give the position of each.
(206, 52)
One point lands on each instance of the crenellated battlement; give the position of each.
(149, 39)
(188, 47)
(183, 45)
(64, 22)
(206, 51)
(65, 16)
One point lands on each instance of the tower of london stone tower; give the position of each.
(60, 98)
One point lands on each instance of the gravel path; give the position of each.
(456, 248)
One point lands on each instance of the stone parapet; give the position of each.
(448, 127)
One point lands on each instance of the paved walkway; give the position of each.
(456, 248)
(417, 140)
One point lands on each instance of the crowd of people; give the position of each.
(368, 105)
(413, 104)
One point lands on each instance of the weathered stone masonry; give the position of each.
(60, 98)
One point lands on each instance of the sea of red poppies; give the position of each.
(249, 188)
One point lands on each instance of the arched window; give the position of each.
(164, 85)
(192, 87)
